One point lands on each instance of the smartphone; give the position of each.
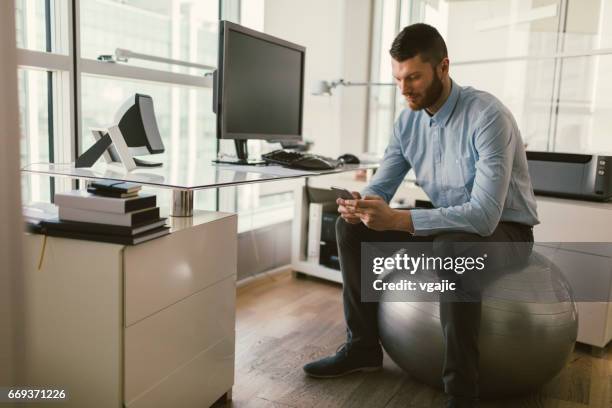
(343, 193)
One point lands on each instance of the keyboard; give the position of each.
(302, 161)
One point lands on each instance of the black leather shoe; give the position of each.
(347, 360)
(461, 402)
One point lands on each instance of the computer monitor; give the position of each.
(134, 133)
(258, 87)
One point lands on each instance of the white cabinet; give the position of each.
(585, 230)
(151, 325)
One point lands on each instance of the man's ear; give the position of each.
(443, 67)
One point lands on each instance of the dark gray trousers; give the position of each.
(460, 320)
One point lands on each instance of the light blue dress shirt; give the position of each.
(468, 158)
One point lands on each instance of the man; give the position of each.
(468, 156)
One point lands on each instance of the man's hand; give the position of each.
(346, 214)
(376, 214)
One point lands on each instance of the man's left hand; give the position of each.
(376, 214)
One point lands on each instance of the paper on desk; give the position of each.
(267, 170)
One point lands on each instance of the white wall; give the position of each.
(336, 36)
(10, 220)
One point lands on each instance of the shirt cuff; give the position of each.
(366, 192)
(421, 221)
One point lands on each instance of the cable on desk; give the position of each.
(42, 252)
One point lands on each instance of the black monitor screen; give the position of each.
(262, 88)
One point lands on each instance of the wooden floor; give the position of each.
(284, 322)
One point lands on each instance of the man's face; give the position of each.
(419, 82)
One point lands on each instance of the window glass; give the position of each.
(182, 30)
(588, 27)
(34, 122)
(585, 106)
(560, 104)
(585, 103)
(476, 30)
(30, 16)
(382, 98)
(524, 87)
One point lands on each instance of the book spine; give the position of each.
(104, 204)
(90, 237)
(143, 216)
(140, 203)
(76, 214)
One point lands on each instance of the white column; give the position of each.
(175, 108)
(11, 293)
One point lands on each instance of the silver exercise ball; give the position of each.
(523, 344)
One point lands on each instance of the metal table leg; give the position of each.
(182, 203)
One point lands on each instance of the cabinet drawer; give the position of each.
(197, 384)
(593, 322)
(161, 272)
(162, 343)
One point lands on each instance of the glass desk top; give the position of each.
(201, 176)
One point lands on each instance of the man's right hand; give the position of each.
(347, 214)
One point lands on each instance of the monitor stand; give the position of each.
(144, 163)
(111, 145)
(242, 153)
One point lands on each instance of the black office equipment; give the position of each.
(114, 239)
(258, 88)
(581, 176)
(110, 193)
(102, 229)
(349, 159)
(298, 160)
(118, 186)
(328, 251)
(133, 133)
(342, 193)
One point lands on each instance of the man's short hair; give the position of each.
(419, 39)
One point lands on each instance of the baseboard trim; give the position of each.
(265, 274)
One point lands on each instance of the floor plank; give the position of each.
(284, 322)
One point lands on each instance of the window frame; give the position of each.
(414, 10)
(61, 72)
(67, 67)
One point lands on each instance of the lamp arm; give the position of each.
(350, 83)
(124, 55)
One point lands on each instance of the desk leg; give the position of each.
(224, 401)
(182, 203)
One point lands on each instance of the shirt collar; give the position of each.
(442, 116)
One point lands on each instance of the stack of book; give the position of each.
(109, 211)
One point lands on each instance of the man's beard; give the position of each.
(430, 96)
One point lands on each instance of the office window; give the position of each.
(544, 59)
(44, 90)
(181, 30)
(30, 19)
(382, 98)
(56, 125)
(494, 53)
(585, 105)
(33, 88)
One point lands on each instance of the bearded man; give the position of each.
(468, 156)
